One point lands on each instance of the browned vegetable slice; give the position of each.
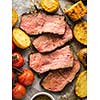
(76, 11)
(20, 38)
(14, 17)
(50, 5)
(82, 54)
(81, 85)
(80, 32)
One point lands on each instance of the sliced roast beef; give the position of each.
(56, 80)
(49, 42)
(37, 23)
(61, 58)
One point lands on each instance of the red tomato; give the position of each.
(19, 91)
(17, 60)
(13, 75)
(13, 46)
(26, 78)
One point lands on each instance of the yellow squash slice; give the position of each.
(81, 85)
(20, 38)
(14, 17)
(82, 55)
(50, 5)
(80, 32)
(76, 11)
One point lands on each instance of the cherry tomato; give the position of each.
(17, 60)
(26, 78)
(13, 46)
(13, 75)
(19, 91)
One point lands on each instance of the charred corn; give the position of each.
(76, 11)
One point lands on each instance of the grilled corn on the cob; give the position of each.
(76, 11)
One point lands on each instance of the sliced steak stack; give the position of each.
(49, 42)
(61, 58)
(55, 32)
(38, 23)
(55, 81)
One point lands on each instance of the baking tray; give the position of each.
(25, 6)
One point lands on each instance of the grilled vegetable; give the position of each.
(50, 5)
(76, 11)
(19, 91)
(80, 32)
(14, 17)
(82, 55)
(81, 85)
(26, 78)
(20, 38)
(17, 60)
